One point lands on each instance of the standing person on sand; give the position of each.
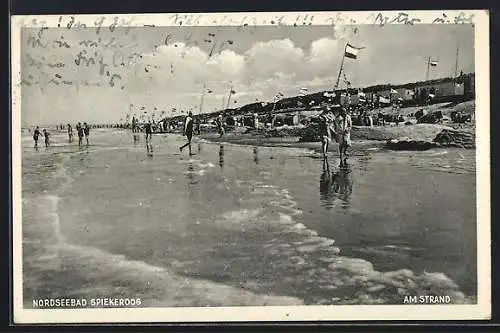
(70, 133)
(149, 137)
(79, 129)
(36, 134)
(188, 131)
(325, 129)
(343, 126)
(86, 131)
(220, 126)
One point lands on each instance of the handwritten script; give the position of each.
(107, 48)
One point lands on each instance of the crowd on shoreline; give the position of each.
(83, 131)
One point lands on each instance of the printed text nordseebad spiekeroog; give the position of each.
(83, 302)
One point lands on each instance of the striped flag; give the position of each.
(352, 51)
(434, 63)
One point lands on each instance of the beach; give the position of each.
(249, 221)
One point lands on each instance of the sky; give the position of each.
(136, 70)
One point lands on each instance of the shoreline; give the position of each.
(286, 142)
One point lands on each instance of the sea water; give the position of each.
(242, 225)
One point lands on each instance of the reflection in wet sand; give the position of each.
(221, 156)
(335, 185)
(255, 155)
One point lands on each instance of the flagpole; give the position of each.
(202, 96)
(428, 64)
(341, 68)
(272, 111)
(229, 97)
(456, 62)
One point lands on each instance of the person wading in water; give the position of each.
(325, 129)
(36, 134)
(343, 126)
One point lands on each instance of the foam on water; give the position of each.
(99, 272)
(319, 261)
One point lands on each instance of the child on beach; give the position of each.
(46, 135)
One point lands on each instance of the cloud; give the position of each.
(173, 76)
(324, 53)
(265, 59)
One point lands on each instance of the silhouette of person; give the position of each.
(255, 155)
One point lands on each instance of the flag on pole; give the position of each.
(352, 51)
(434, 63)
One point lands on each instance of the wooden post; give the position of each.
(202, 96)
(428, 65)
(229, 97)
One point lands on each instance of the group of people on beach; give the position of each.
(82, 131)
(335, 124)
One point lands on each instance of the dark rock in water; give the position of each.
(430, 118)
(456, 138)
(420, 113)
(310, 133)
(407, 144)
(285, 131)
